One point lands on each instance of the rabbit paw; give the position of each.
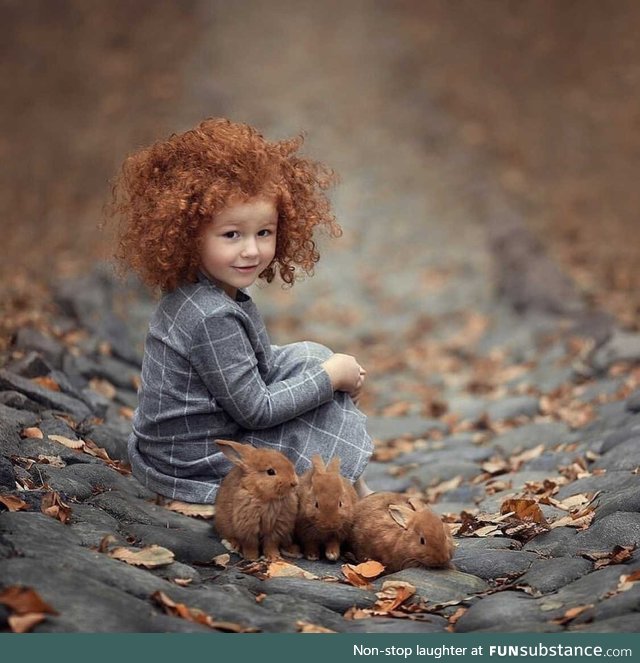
(292, 551)
(231, 546)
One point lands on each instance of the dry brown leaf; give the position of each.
(393, 594)
(434, 492)
(398, 409)
(627, 581)
(527, 455)
(370, 569)
(126, 412)
(103, 387)
(222, 560)
(618, 555)
(196, 615)
(571, 614)
(47, 382)
(487, 530)
(24, 600)
(183, 582)
(105, 542)
(67, 442)
(13, 503)
(24, 623)
(195, 510)
(32, 432)
(149, 557)
(306, 627)
(524, 509)
(53, 506)
(54, 461)
(280, 569)
(456, 615)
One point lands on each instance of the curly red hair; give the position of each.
(165, 195)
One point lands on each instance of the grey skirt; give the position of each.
(336, 428)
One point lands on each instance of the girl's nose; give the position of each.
(250, 248)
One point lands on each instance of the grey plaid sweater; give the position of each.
(209, 371)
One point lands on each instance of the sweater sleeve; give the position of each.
(225, 361)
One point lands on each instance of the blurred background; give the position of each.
(418, 104)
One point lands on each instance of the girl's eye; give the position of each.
(271, 471)
(232, 234)
(423, 540)
(264, 233)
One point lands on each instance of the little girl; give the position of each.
(205, 214)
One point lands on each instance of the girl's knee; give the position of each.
(317, 351)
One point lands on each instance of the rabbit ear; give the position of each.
(236, 452)
(416, 503)
(318, 464)
(334, 464)
(401, 514)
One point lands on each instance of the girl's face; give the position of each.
(240, 243)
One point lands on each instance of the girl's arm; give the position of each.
(225, 361)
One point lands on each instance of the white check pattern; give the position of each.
(209, 371)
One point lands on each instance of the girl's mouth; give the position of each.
(249, 268)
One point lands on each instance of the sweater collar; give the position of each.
(241, 295)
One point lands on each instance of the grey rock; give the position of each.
(468, 544)
(16, 419)
(498, 610)
(611, 481)
(490, 563)
(620, 624)
(515, 406)
(633, 402)
(606, 387)
(32, 365)
(126, 511)
(426, 624)
(438, 585)
(7, 475)
(52, 399)
(548, 462)
(29, 338)
(546, 575)
(621, 346)
(556, 543)
(623, 500)
(119, 373)
(531, 435)
(614, 439)
(112, 437)
(438, 471)
(624, 456)
(587, 589)
(91, 524)
(178, 571)
(335, 596)
(73, 596)
(188, 546)
(378, 478)
(388, 428)
(17, 401)
(615, 529)
(467, 407)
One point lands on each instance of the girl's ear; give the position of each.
(236, 452)
(318, 464)
(401, 514)
(334, 465)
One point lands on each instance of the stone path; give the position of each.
(471, 403)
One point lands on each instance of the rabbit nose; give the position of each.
(294, 482)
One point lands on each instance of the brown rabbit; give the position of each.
(400, 532)
(326, 507)
(257, 501)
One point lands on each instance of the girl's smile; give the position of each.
(240, 243)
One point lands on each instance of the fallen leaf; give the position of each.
(24, 600)
(281, 569)
(618, 555)
(126, 412)
(24, 623)
(306, 627)
(149, 557)
(13, 503)
(627, 581)
(183, 582)
(456, 615)
(222, 560)
(34, 433)
(198, 616)
(47, 382)
(54, 461)
(53, 506)
(524, 509)
(195, 510)
(370, 569)
(571, 614)
(393, 594)
(67, 442)
(103, 387)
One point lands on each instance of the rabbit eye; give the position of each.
(340, 504)
(317, 506)
(271, 471)
(423, 540)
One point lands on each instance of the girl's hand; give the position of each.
(345, 373)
